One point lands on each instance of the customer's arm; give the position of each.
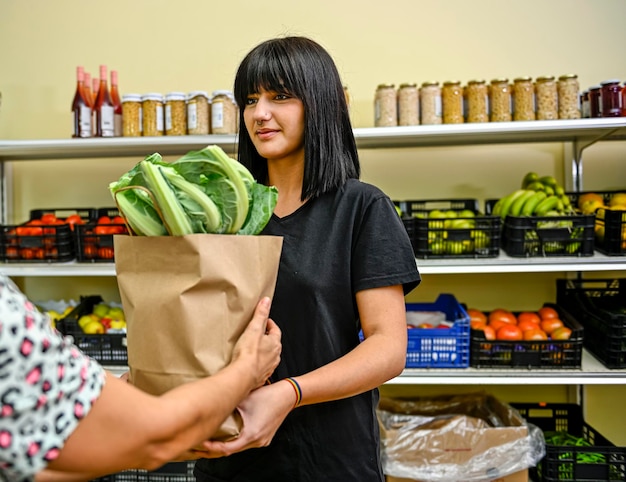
(127, 428)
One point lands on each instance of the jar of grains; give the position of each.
(569, 97)
(595, 106)
(152, 111)
(197, 113)
(408, 105)
(611, 98)
(223, 113)
(430, 103)
(452, 102)
(477, 101)
(175, 114)
(547, 98)
(131, 115)
(523, 96)
(500, 100)
(385, 106)
(584, 104)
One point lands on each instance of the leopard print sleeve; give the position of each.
(47, 386)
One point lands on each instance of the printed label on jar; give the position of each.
(159, 120)
(192, 116)
(168, 117)
(217, 115)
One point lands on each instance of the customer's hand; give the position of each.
(259, 345)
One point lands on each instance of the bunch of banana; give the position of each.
(538, 196)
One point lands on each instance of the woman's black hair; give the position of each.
(304, 69)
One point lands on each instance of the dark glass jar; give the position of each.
(584, 104)
(595, 109)
(611, 98)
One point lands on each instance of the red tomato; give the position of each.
(490, 333)
(535, 334)
(550, 324)
(477, 324)
(104, 220)
(509, 332)
(48, 218)
(528, 325)
(497, 324)
(104, 229)
(27, 253)
(477, 315)
(118, 220)
(530, 316)
(105, 253)
(547, 312)
(11, 253)
(73, 219)
(89, 251)
(502, 315)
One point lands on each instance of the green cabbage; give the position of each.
(204, 191)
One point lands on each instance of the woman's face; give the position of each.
(275, 123)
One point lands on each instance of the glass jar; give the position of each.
(547, 98)
(523, 97)
(223, 113)
(584, 104)
(385, 106)
(477, 101)
(595, 106)
(569, 97)
(131, 115)
(408, 105)
(152, 111)
(624, 100)
(175, 114)
(430, 103)
(198, 113)
(452, 102)
(611, 98)
(500, 100)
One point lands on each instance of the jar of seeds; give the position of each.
(198, 113)
(500, 100)
(430, 103)
(452, 102)
(408, 105)
(568, 92)
(385, 106)
(175, 114)
(523, 99)
(152, 109)
(547, 98)
(223, 113)
(131, 115)
(477, 101)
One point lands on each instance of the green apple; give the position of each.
(101, 310)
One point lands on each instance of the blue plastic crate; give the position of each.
(440, 347)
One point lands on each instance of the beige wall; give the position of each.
(162, 46)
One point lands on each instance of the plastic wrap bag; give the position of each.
(472, 437)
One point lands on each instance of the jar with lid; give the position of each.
(547, 98)
(430, 103)
(175, 114)
(624, 100)
(452, 102)
(500, 100)
(152, 111)
(198, 113)
(385, 106)
(523, 96)
(569, 97)
(223, 112)
(595, 106)
(611, 98)
(584, 104)
(131, 115)
(477, 101)
(408, 105)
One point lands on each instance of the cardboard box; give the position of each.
(453, 440)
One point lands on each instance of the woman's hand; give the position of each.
(259, 346)
(262, 413)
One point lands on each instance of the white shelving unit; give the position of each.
(577, 133)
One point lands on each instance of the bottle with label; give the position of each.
(117, 105)
(81, 107)
(104, 108)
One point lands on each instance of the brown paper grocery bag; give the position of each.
(187, 300)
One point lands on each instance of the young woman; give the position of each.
(346, 265)
(60, 410)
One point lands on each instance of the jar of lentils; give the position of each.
(569, 97)
(198, 113)
(385, 106)
(175, 114)
(408, 105)
(547, 98)
(500, 100)
(223, 113)
(611, 98)
(152, 110)
(131, 115)
(430, 103)
(452, 101)
(477, 101)
(523, 99)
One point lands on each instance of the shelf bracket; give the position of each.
(578, 145)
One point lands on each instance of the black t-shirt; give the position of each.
(333, 246)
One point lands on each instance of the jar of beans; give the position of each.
(523, 99)
(408, 105)
(500, 100)
(223, 113)
(569, 97)
(385, 106)
(452, 102)
(430, 103)
(175, 114)
(477, 101)
(547, 98)
(131, 115)
(152, 110)
(198, 113)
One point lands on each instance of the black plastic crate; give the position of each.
(172, 472)
(94, 241)
(600, 306)
(601, 461)
(537, 236)
(469, 234)
(602, 196)
(610, 231)
(106, 348)
(544, 354)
